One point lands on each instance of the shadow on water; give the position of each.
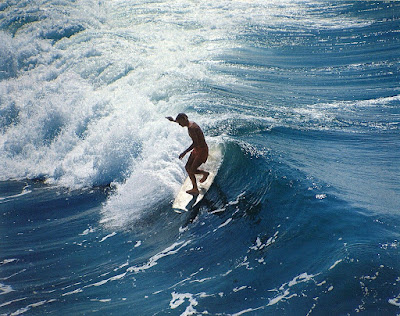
(214, 199)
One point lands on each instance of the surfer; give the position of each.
(199, 150)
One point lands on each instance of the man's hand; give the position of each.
(170, 118)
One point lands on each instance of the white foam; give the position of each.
(259, 245)
(5, 289)
(114, 278)
(171, 250)
(12, 275)
(237, 289)
(304, 277)
(284, 296)
(224, 223)
(320, 196)
(73, 292)
(108, 236)
(248, 310)
(284, 289)
(335, 264)
(87, 231)
(30, 306)
(99, 283)
(395, 301)
(10, 197)
(13, 301)
(200, 280)
(103, 300)
(6, 261)
(180, 298)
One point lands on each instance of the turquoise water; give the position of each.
(302, 218)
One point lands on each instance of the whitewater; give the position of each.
(302, 218)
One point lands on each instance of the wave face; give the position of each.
(301, 219)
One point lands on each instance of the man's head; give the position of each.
(182, 119)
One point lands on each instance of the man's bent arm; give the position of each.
(186, 151)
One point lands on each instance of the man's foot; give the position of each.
(193, 192)
(205, 176)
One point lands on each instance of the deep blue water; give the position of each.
(303, 215)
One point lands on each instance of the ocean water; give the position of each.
(303, 216)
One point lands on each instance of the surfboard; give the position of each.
(183, 201)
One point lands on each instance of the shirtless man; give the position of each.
(199, 154)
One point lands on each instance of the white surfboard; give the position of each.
(184, 201)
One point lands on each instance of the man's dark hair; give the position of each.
(181, 116)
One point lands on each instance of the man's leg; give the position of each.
(201, 158)
(194, 170)
(194, 190)
(204, 173)
(192, 177)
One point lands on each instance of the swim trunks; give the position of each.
(200, 153)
